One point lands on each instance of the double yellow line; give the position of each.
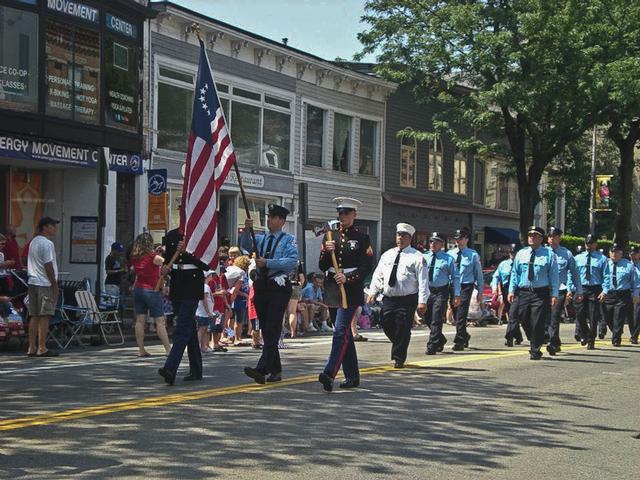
(160, 401)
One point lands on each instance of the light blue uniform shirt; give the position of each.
(444, 271)
(566, 265)
(598, 261)
(283, 260)
(626, 276)
(502, 274)
(470, 267)
(545, 270)
(310, 292)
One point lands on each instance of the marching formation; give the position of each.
(534, 283)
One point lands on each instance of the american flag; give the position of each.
(210, 156)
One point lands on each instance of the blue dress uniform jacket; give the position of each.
(283, 260)
(470, 267)
(502, 274)
(566, 266)
(598, 261)
(626, 277)
(444, 271)
(355, 257)
(545, 270)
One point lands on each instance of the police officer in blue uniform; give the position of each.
(468, 264)
(590, 264)
(634, 315)
(443, 276)
(566, 267)
(535, 282)
(354, 256)
(277, 257)
(500, 286)
(619, 287)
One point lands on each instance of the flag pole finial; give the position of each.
(194, 28)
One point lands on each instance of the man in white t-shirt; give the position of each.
(43, 286)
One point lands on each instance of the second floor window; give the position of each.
(315, 133)
(368, 147)
(341, 143)
(435, 165)
(460, 173)
(408, 163)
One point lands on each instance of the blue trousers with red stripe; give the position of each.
(343, 349)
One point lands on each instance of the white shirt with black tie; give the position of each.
(412, 275)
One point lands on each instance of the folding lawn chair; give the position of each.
(107, 320)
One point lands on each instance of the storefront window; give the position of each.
(341, 142)
(245, 132)
(18, 60)
(122, 81)
(276, 140)
(258, 210)
(73, 72)
(174, 116)
(368, 147)
(315, 132)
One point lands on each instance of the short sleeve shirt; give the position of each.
(41, 252)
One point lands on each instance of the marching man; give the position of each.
(401, 276)
(353, 256)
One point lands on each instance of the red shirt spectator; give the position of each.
(218, 283)
(147, 274)
(11, 250)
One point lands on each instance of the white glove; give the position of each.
(280, 280)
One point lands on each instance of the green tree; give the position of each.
(530, 66)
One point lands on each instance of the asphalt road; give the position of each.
(488, 412)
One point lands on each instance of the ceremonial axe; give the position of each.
(328, 229)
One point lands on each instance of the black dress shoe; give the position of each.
(601, 335)
(583, 341)
(551, 349)
(508, 343)
(591, 346)
(274, 377)
(634, 341)
(616, 344)
(192, 377)
(398, 364)
(458, 347)
(535, 355)
(169, 377)
(519, 342)
(577, 338)
(326, 381)
(430, 351)
(350, 383)
(466, 342)
(257, 376)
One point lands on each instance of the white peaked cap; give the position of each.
(405, 228)
(346, 202)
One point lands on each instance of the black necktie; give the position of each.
(267, 254)
(588, 272)
(532, 259)
(393, 279)
(615, 275)
(459, 259)
(432, 267)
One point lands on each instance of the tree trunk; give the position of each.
(625, 173)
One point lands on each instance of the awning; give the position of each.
(501, 236)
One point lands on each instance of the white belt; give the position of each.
(180, 266)
(344, 270)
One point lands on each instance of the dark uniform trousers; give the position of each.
(435, 315)
(614, 310)
(184, 336)
(397, 319)
(460, 313)
(343, 348)
(634, 322)
(589, 313)
(534, 307)
(554, 323)
(271, 301)
(513, 327)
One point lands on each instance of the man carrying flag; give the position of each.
(193, 247)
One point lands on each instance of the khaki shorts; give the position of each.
(295, 292)
(41, 301)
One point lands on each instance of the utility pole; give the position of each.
(592, 212)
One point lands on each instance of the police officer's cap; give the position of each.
(436, 237)
(617, 247)
(461, 233)
(536, 230)
(555, 231)
(590, 239)
(346, 203)
(405, 228)
(635, 250)
(277, 211)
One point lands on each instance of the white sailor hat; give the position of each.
(405, 228)
(347, 203)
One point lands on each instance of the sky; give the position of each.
(326, 28)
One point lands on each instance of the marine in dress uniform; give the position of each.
(277, 257)
(566, 267)
(619, 286)
(590, 264)
(634, 316)
(354, 256)
(535, 281)
(500, 285)
(187, 278)
(401, 277)
(443, 276)
(468, 264)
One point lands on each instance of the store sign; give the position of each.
(157, 214)
(74, 9)
(249, 180)
(74, 155)
(121, 26)
(84, 240)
